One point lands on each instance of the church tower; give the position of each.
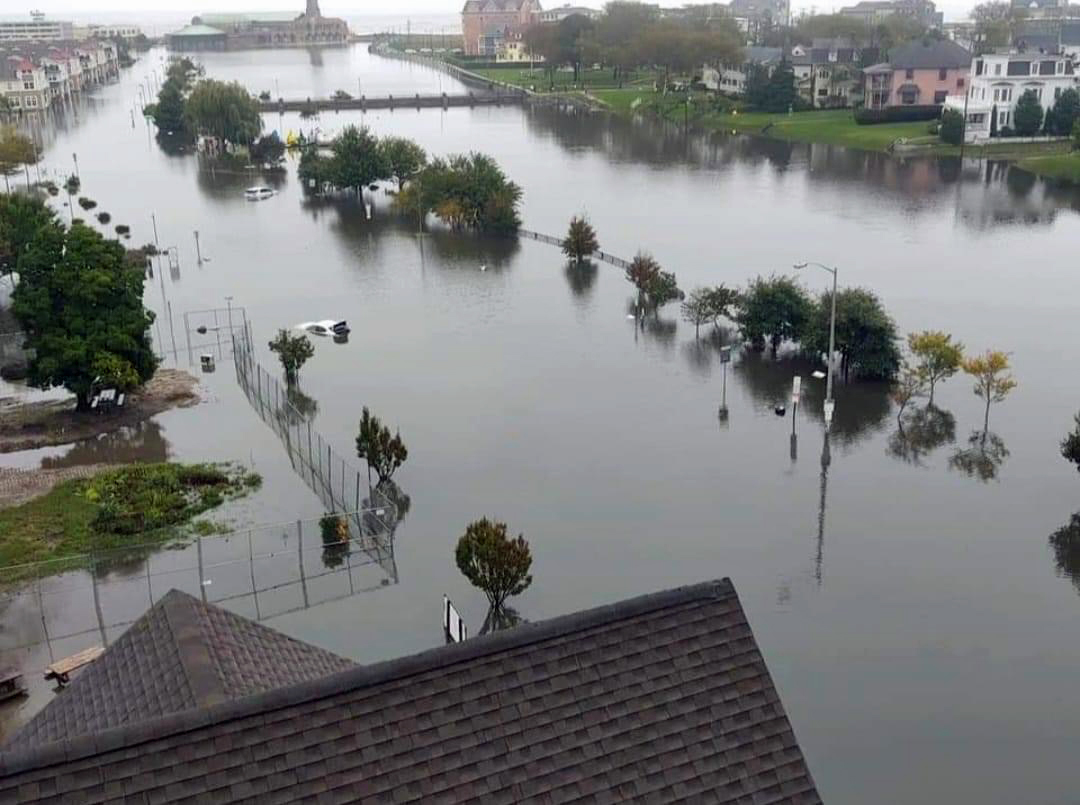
(312, 12)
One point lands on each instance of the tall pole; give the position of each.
(75, 159)
(963, 129)
(832, 344)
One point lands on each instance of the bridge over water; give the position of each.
(364, 104)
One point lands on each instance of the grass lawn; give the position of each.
(1060, 166)
(134, 505)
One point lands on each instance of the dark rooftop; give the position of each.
(662, 698)
(931, 55)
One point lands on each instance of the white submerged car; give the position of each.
(258, 193)
(324, 327)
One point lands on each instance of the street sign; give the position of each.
(725, 354)
(796, 389)
(830, 406)
(453, 625)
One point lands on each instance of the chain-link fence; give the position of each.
(602, 256)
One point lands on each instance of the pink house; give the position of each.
(918, 74)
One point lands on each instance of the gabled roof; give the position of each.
(660, 698)
(494, 6)
(181, 654)
(762, 55)
(930, 55)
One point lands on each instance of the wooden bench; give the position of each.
(61, 670)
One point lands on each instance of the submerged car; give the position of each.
(325, 327)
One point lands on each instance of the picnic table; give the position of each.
(107, 400)
(61, 670)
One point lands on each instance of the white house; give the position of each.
(996, 82)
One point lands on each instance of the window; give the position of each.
(822, 92)
(939, 96)
(909, 73)
(31, 102)
(823, 74)
(960, 82)
(942, 73)
(1057, 93)
(28, 85)
(908, 97)
(1060, 67)
(997, 69)
(978, 67)
(997, 95)
(1003, 118)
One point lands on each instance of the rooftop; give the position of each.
(935, 54)
(198, 30)
(218, 20)
(494, 6)
(664, 697)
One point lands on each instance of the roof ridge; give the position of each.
(362, 676)
(185, 622)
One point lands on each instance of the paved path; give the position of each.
(18, 486)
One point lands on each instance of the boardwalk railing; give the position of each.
(600, 256)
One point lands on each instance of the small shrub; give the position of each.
(104, 217)
(896, 114)
(123, 229)
(87, 203)
(952, 127)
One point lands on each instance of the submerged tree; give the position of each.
(1065, 543)
(696, 309)
(1070, 445)
(16, 150)
(493, 562)
(992, 379)
(357, 160)
(939, 357)
(223, 110)
(403, 158)
(865, 334)
(774, 310)
(920, 432)
(908, 387)
(580, 241)
(384, 452)
(293, 350)
(82, 308)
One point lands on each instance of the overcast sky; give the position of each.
(173, 9)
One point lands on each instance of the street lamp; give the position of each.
(830, 404)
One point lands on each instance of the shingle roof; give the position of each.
(492, 6)
(661, 698)
(180, 655)
(933, 55)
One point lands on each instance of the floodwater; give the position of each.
(904, 595)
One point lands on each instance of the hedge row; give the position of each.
(897, 114)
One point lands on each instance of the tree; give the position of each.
(1028, 117)
(293, 351)
(465, 191)
(865, 334)
(907, 388)
(168, 112)
(403, 158)
(81, 305)
(22, 217)
(384, 452)
(939, 357)
(655, 287)
(580, 241)
(1070, 445)
(268, 149)
(16, 150)
(492, 562)
(357, 161)
(772, 92)
(996, 24)
(697, 309)
(223, 110)
(1063, 114)
(722, 302)
(952, 127)
(776, 309)
(992, 379)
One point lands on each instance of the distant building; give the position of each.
(35, 27)
(481, 20)
(997, 80)
(556, 15)
(917, 74)
(827, 74)
(259, 30)
(35, 75)
(1041, 9)
(753, 15)
(731, 79)
(874, 12)
(1049, 36)
(95, 31)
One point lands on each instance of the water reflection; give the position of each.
(703, 354)
(143, 442)
(982, 458)
(920, 432)
(581, 276)
(652, 326)
(220, 181)
(1065, 543)
(823, 492)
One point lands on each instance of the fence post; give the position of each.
(251, 564)
(202, 579)
(300, 559)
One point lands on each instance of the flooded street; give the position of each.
(911, 610)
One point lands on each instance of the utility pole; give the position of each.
(75, 159)
(198, 251)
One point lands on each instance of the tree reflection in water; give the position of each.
(581, 277)
(919, 433)
(703, 354)
(143, 442)
(653, 326)
(983, 457)
(1065, 543)
(505, 617)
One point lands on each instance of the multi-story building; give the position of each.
(481, 20)
(999, 79)
(35, 28)
(36, 75)
(556, 15)
(1041, 9)
(112, 31)
(730, 79)
(24, 85)
(919, 73)
(874, 12)
(756, 15)
(827, 74)
(272, 29)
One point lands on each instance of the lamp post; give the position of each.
(830, 404)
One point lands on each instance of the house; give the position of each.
(24, 85)
(1049, 36)
(827, 73)
(660, 698)
(760, 14)
(917, 73)
(260, 29)
(731, 79)
(875, 12)
(512, 50)
(1040, 9)
(997, 80)
(556, 15)
(479, 18)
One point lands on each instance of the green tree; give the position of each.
(1028, 117)
(268, 149)
(315, 169)
(722, 302)
(223, 110)
(1063, 114)
(663, 289)
(580, 241)
(865, 334)
(293, 350)
(952, 127)
(81, 306)
(357, 160)
(775, 310)
(655, 287)
(992, 379)
(16, 150)
(938, 356)
(384, 452)
(696, 309)
(22, 217)
(168, 112)
(772, 91)
(908, 387)
(465, 192)
(403, 158)
(1070, 445)
(493, 562)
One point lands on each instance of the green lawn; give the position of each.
(1060, 166)
(134, 505)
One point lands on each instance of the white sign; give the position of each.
(796, 389)
(453, 625)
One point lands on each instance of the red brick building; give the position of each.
(482, 18)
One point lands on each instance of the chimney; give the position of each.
(312, 10)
